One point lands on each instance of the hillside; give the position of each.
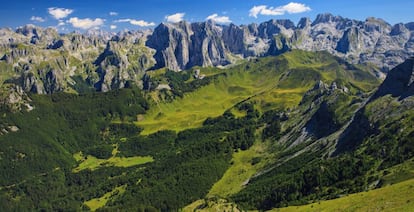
(267, 132)
(397, 197)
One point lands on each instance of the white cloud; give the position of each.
(290, 8)
(113, 26)
(140, 23)
(61, 23)
(86, 23)
(175, 17)
(113, 13)
(219, 19)
(37, 19)
(59, 13)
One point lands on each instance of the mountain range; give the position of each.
(44, 61)
(197, 116)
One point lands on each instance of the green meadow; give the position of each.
(397, 197)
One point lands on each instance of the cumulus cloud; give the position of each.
(219, 19)
(86, 23)
(113, 13)
(290, 8)
(59, 13)
(175, 17)
(37, 19)
(113, 26)
(140, 23)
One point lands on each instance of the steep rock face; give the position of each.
(172, 44)
(175, 43)
(207, 47)
(370, 41)
(350, 42)
(244, 41)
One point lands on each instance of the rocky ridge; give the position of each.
(44, 61)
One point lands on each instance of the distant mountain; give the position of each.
(44, 61)
(370, 41)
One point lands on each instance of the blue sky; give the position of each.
(69, 15)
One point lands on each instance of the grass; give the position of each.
(93, 163)
(209, 101)
(238, 113)
(397, 197)
(100, 202)
(399, 173)
(279, 99)
(272, 82)
(241, 170)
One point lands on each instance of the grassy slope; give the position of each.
(272, 82)
(397, 197)
(208, 101)
(93, 163)
(241, 170)
(97, 203)
(304, 70)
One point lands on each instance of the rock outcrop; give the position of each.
(183, 45)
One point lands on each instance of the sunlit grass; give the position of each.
(243, 168)
(269, 82)
(92, 163)
(97, 203)
(397, 197)
(209, 101)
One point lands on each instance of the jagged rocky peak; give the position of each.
(376, 24)
(304, 23)
(29, 30)
(398, 29)
(132, 37)
(288, 24)
(269, 29)
(37, 34)
(326, 18)
(100, 34)
(410, 26)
